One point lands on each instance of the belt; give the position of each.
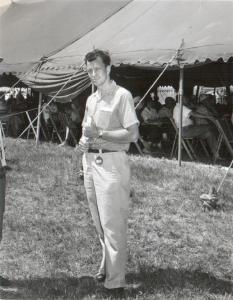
(101, 150)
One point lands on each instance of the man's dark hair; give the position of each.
(104, 55)
(170, 102)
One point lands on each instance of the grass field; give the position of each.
(176, 250)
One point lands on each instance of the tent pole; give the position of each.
(38, 120)
(197, 92)
(180, 99)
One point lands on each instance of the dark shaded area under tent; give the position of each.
(209, 74)
(8, 80)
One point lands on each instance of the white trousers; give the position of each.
(108, 188)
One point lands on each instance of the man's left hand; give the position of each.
(90, 131)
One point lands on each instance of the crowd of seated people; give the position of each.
(194, 121)
(16, 120)
(154, 129)
(195, 124)
(17, 111)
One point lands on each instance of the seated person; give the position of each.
(166, 110)
(148, 136)
(74, 125)
(155, 101)
(156, 135)
(192, 130)
(207, 107)
(149, 114)
(50, 117)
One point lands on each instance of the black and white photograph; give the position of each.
(116, 149)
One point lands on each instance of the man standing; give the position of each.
(109, 125)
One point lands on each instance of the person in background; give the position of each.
(110, 124)
(166, 110)
(155, 101)
(74, 128)
(149, 113)
(206, 107)
(192, 130)
(153, 135)
(150, 135)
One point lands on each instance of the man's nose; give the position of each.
(93, 72)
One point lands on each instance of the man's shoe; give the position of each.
(4, 282)
(100, 277)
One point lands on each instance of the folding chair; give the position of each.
(3, 127)
(55, 129)
(31, 132)
(187, 144)
(65, 120)
(225, 130)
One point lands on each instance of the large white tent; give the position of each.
(138, 33)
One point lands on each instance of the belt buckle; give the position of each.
(99, 159)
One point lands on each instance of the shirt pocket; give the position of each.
(103, 118)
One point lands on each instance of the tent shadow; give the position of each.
(52, 288)
(169, 279)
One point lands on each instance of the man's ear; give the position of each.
(109, 69)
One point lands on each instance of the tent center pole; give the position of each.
(38, 120)
(180, 99)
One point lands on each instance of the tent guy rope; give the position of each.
(157, 79)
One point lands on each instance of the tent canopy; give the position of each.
(150, 33)
(137, 33)
(31, 29)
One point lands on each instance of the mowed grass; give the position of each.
(176, 250)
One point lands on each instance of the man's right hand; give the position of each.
(83, 145)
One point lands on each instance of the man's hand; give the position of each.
(90, 130)
(83, 145)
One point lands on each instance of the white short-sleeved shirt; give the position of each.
(186, 121)
(111, 111)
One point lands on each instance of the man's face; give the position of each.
(98, 72)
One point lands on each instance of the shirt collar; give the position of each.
(109, 92)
